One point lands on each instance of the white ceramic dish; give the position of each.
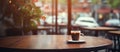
(79, 41)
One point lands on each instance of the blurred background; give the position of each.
(26, 17)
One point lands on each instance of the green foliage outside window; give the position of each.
(114, 3)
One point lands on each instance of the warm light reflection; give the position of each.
(10, 1)
(100, 16)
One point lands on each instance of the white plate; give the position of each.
(79, 41)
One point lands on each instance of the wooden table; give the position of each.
(116, 33)
(59, 27)
(115, 36)
(44, 29)
(97, 29)
(52, 43)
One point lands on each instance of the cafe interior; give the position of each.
(59, 26)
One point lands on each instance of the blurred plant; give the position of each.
(22, 12)
(31, 15)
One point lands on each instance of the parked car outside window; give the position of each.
(112, 22)
(86, 22)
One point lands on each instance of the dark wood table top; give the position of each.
(115, 32)
(100, 28)
(53, 42)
